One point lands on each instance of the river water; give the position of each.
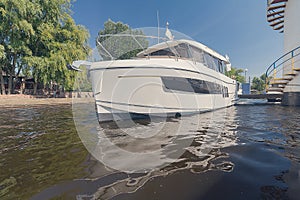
(249, 151)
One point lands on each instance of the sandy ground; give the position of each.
(19, 100)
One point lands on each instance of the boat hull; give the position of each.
(158, 87)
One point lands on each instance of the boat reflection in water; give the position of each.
(134, 152)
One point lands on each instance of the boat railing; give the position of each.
(109, 51)
(141, 42)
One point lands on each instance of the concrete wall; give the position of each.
(292, 25)
(291, 41)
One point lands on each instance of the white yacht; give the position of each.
(169, 79)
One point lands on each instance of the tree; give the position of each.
(15, 31)
(59, 42)
(2, 56)
(264, 78)
(235, 74)
(118, 47)
(2, 53)
(40, 38)
(259, 83)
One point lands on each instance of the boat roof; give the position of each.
(173, 43)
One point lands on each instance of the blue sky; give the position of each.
(235, 27)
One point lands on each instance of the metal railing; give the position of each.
(282, 64)
(114, 40)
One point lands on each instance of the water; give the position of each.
(250, 151)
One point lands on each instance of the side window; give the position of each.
(193, 85)
(223, 67)
(216, 64)
(210, 61)
(225, 92)
(163, 52)
(220, 66)
(198, 55)
(183, 50)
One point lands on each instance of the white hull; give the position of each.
(133, 88)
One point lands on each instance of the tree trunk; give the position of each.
(10, 83)
(22, 86)
(11, 75)
(17, 79)
(35, 88)
(2, 82)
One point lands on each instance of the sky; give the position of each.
(237, 28)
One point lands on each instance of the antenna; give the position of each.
(168, 32)
(157, 16)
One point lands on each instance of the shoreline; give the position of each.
(23, 100)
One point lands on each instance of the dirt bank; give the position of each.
(19, 100)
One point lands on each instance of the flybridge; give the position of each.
(275, 14)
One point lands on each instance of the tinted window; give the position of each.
(192, 85)
(163, 52)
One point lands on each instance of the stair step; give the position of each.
(290, 74)
(275, 18)
(273, 7)
(274, 89)
(277, 23)
(278, 1)
(296, 69)
(288, 78)
(278, 82)
(282, 79)
(275, 13)
(278, 86)
(279, 27)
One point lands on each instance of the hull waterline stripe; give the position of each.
(144, 106)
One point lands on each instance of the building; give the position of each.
(22, 85)
(284, 17)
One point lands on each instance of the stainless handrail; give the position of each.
(274, 65)
(273, 68)
(134, 36)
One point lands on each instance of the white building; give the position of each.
(284, 16)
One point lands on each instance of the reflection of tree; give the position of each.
(120, 47)
(34, 161)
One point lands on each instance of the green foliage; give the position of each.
(83, 82)
(124, 47)
(2, 53)
(263, 77)
(259, 83)
(236, 74)
(40, 38)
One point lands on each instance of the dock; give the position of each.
(269, 97)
